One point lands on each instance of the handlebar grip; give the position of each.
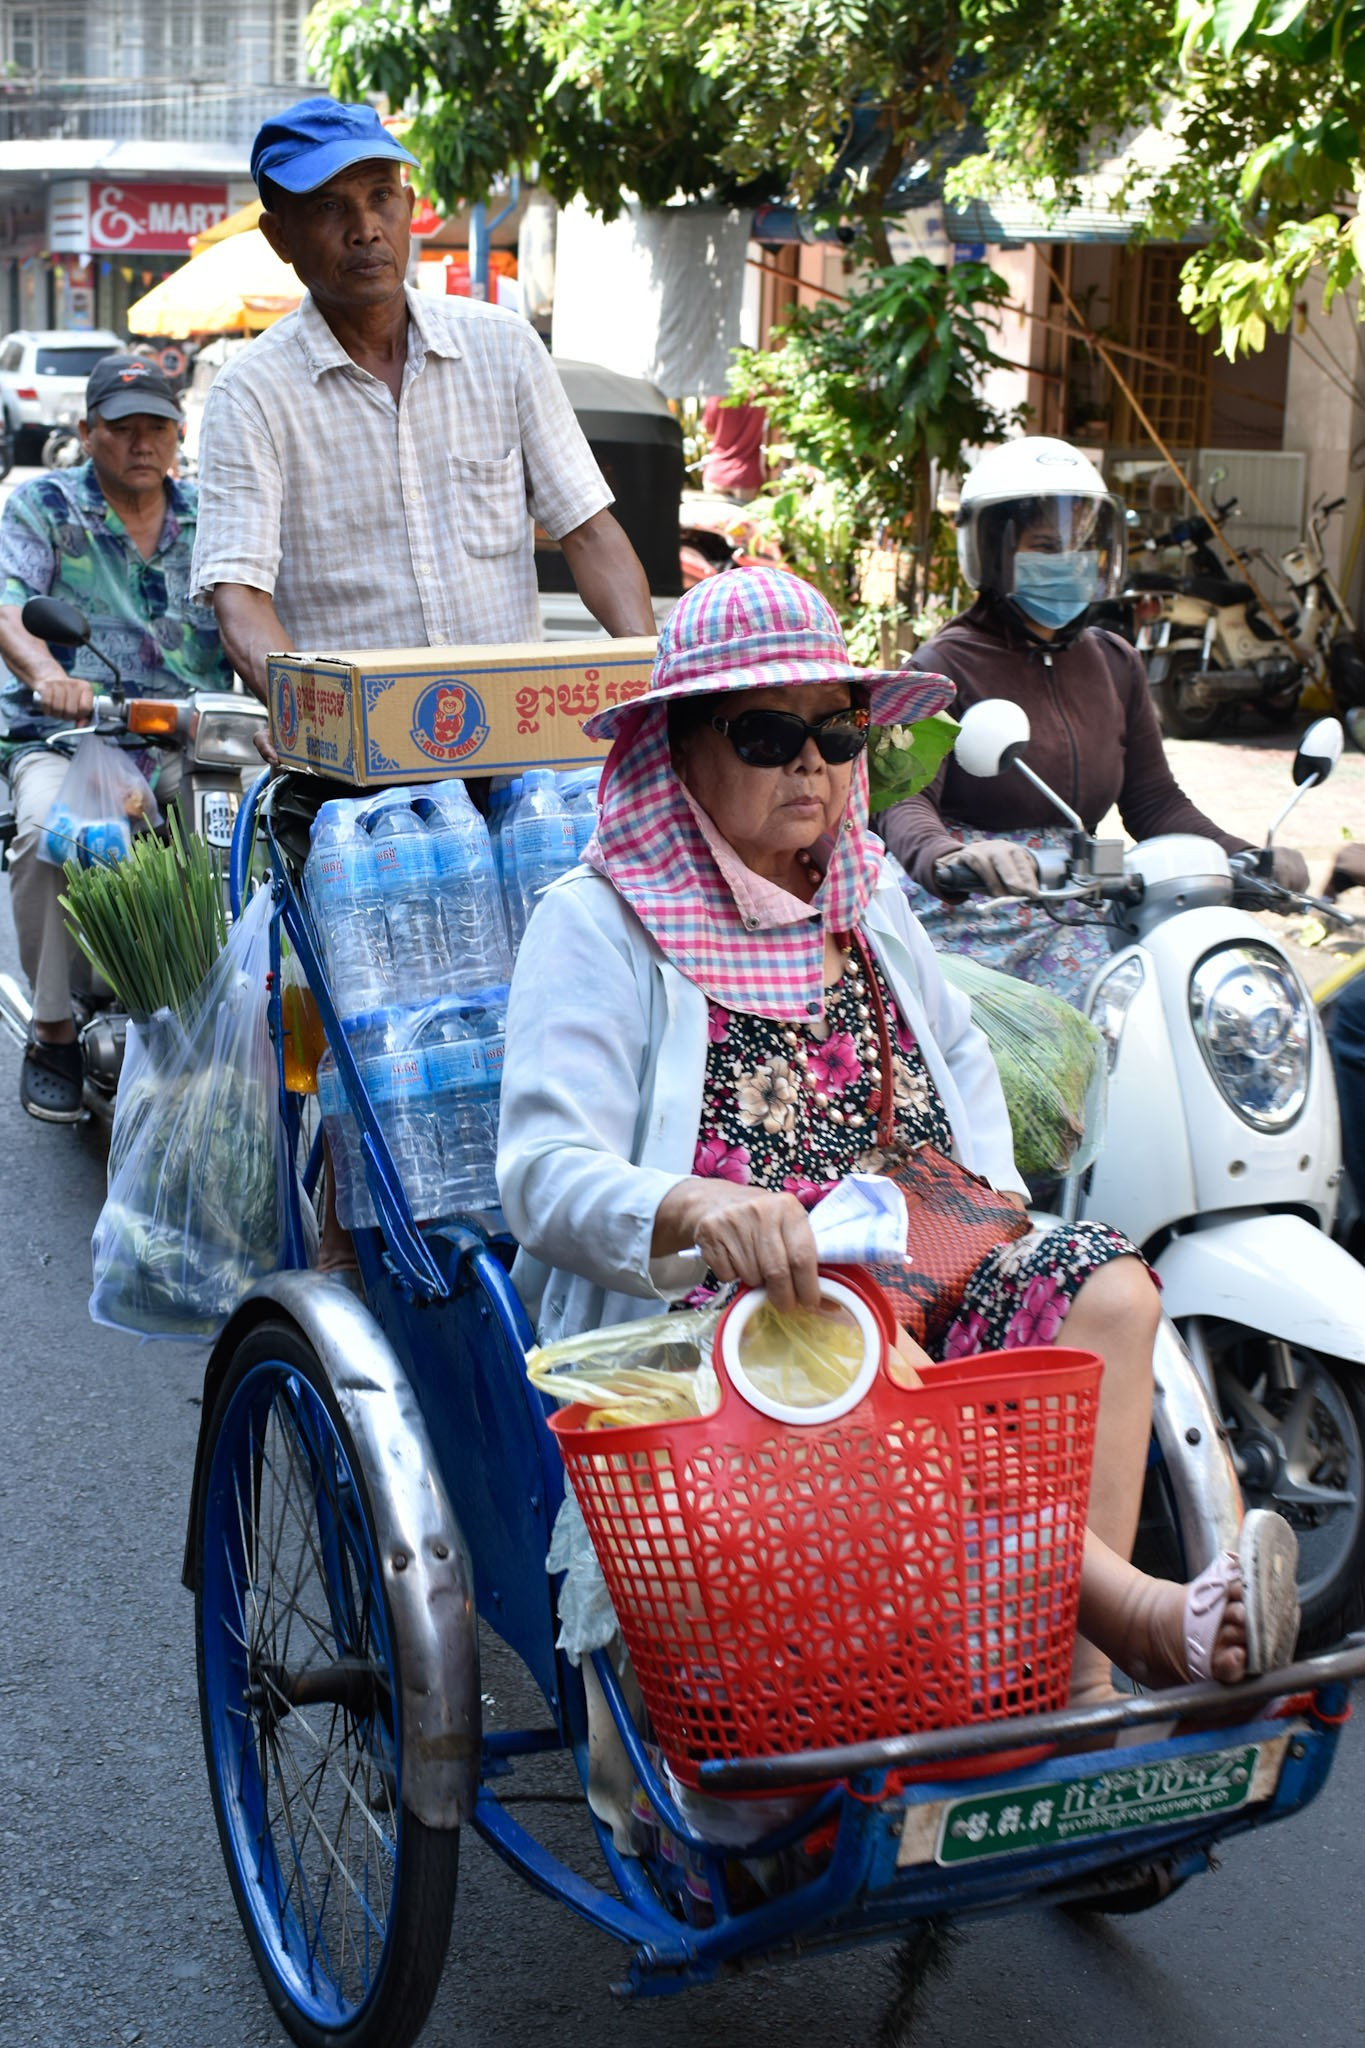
(955, 879)
(1335, 506)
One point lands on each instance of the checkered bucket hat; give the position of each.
(752, 629)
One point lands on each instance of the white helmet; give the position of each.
(1038, 526)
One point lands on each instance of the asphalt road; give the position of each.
(116, 1923)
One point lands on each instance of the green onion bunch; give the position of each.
(153, 923)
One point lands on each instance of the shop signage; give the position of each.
(111, 215)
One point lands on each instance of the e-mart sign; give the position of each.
(112, 215)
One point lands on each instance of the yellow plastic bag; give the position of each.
(802, 1359)
(655, 1369)
(658, 1369)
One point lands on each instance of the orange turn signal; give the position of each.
(154, 715)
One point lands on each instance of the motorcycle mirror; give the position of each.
(992, 736)
(1319, 751)
(52, 619)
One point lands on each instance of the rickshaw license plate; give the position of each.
(1112, 1802)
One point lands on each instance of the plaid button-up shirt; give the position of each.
(383, 524)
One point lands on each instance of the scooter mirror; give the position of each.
(52, 619)
(993, 735)
(1319, 751)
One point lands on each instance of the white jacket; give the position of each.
(602, 1095)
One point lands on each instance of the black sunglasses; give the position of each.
(771, 739)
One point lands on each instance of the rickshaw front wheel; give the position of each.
(346, 1897)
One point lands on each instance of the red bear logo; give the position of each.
(449, 719)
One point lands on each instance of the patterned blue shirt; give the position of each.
(60, 537)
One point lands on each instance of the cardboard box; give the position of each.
(415, 715)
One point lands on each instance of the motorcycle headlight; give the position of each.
(1110, 1003)
(224, 739)
(1250, 1016)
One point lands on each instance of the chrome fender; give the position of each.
(1277, 1274)
(422, 1552)
(1194, 1446)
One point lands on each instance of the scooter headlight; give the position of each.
(1250, 1016)
(225, 739)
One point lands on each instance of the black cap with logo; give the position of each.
(121, 385)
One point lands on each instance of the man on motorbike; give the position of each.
(114, 536)
(1041, 540)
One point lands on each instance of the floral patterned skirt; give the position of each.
(793, 1108)
(1021, 1291)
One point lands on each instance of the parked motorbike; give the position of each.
(62, 449)
(1222, 1154)
(1215, 648)
(213, 730)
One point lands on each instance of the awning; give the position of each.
(237, 223)
(234, 287)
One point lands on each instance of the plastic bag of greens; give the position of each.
(198, 1166)
(103, 800)
(1052, 1065)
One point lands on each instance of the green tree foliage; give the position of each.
(1261, 108)
(862, 397)
(1260, 103)
(732, 99)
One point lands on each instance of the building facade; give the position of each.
(125, 128)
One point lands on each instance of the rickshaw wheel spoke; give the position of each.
(345, 1896)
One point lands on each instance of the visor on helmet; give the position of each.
(991, 535)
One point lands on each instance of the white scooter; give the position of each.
(1222, 1155)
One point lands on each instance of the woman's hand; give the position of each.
(1002, 868)
(745, 1234)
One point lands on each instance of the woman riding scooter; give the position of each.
(1040, 539)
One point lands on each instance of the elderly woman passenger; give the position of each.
(692, 1063)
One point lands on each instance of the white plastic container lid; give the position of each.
(732, 1345)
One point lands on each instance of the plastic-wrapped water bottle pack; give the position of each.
(412, 898)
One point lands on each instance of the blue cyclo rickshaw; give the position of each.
(373, 1481)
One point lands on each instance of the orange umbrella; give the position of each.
(236, 286)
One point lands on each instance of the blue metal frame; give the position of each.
(446, 1305)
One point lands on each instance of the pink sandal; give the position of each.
(1262, 1569)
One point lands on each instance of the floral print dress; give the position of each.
(792, 1108)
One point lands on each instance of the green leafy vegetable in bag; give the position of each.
(1051, 1062)
(152, 924)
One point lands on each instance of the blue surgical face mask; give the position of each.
(1055, 589)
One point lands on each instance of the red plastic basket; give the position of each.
(913, 1564)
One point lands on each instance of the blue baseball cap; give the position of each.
(311, 141)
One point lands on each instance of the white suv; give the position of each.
(42, 375)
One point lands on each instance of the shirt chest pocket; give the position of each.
(490, 503)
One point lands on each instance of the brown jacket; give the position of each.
(1095, 740)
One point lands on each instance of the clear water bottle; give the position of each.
(578, 787)
(505, 854)
(498, 798)
(541, 836)
(478, 951)
(464, 1097)
(355, 1210)
(405, 860)
(394, 1071)
(341, 882)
